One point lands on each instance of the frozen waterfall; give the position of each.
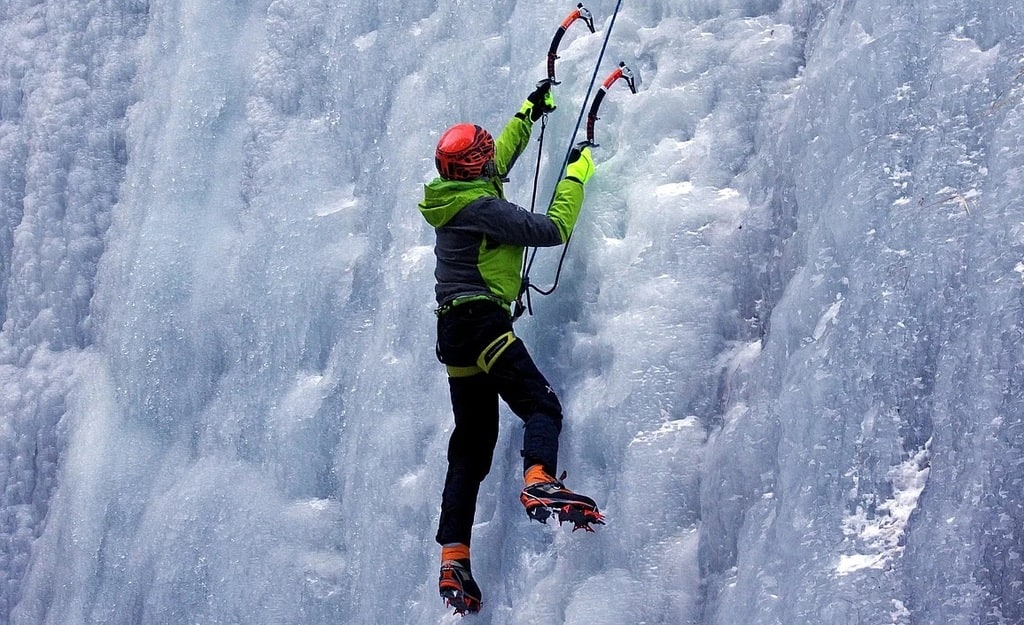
(789, 336)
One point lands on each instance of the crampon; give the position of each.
(580, 517)
(460, 603)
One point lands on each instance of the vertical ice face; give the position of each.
(65, 84)
(788, 335)
(886, 400)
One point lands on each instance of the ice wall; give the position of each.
(65, 85)
(788, 335)
(873, 449)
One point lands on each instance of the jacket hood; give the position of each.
(443, 199)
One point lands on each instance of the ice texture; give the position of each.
(788, 336)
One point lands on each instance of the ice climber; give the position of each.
(480, 239)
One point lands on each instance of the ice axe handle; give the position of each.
(580, 13)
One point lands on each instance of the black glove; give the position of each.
(539, 102)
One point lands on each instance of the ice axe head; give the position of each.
(586, 16)
(632, 78)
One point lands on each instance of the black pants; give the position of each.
(463, 334)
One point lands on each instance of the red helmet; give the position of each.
(463, 152)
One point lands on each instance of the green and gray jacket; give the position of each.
(481, 235)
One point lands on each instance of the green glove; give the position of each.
(581, 165)
(538, 103)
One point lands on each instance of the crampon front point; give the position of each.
(460, 602)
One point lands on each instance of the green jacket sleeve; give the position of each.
(565, 208)
(512, 141)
